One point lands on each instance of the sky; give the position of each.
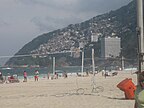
(23, 20)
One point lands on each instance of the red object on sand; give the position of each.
(128, 87)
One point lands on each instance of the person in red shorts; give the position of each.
(36, 75)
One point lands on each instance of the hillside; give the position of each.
(121, 23)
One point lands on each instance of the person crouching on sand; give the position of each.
(36, 75)
(139, 93)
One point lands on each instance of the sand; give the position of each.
(61, 93)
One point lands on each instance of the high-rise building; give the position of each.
(110, 47)
(94, 38)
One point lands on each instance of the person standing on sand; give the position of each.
(48, 75)
(1, 76)
(8, 77)
(25, 76)
(36, 75)
(139, 93)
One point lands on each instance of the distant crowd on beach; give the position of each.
(14, 78)
(56, 75)
(9, 78)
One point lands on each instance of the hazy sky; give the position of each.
(23, 20)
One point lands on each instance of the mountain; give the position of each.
(121, 23)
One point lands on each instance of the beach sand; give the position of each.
(61, 93)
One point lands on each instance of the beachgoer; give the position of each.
(139, 93)
(65, 74)
(79, 75)
(56, 75)
(103, 72)
(11, 79)
(1, 76)
(8, 78)
(36, 75)
(25, 76)
(48, 75)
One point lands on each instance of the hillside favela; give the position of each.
(93, 63)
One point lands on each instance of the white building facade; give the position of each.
(110, 47)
